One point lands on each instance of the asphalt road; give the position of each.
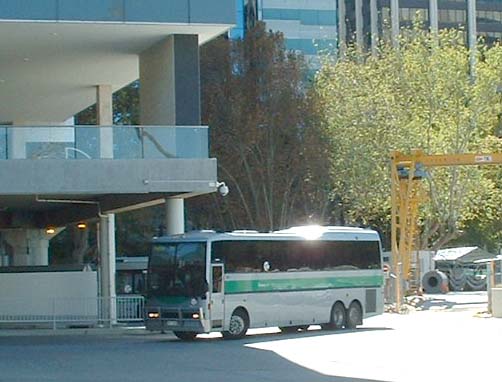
(444, 342)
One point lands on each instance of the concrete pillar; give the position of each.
(170, 82)
(4, 259)
(359, 24)
(107, 266)
(374, 26)
(170, 95)
(394, 16)
(342, 28)
(175, 216)
(38, 244)
(104, 109)
(472, 35)
(433, 16)
(29, 246)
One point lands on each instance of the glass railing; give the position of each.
(100, 142)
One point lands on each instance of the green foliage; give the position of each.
(420, 96)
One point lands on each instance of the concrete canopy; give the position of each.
(49, 70)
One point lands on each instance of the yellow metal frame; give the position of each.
(407, 193)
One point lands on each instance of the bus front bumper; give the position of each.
(162, 324)
(157, 321)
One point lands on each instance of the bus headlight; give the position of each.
(153, 315)
(196, 316)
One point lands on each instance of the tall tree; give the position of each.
(257, 106)
(419, 96)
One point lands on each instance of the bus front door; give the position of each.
(217, 296)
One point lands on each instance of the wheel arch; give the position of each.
(340, 302)
(356, 301)
(243, 310)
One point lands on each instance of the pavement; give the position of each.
(442, 338)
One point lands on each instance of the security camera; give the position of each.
(222, 188)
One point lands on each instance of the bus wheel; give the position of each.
(338, 317)
(185, 336)
(239, 325)
(354, 315)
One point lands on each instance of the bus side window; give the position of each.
(217, 279)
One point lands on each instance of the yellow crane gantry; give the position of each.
(407, 193)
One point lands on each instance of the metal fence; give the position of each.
(72, 311)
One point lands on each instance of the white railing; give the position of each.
(72, 311)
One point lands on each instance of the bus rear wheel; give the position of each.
(239, 325)
(354, 315)
(338, 317)
(185, 336)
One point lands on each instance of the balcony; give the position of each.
(98, 142)
(63, 174)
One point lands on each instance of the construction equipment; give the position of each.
(407, 193)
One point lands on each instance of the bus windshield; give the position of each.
(177, 269)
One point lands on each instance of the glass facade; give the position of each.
(246, 17)
(313, 26)
(309, 27)
(489, 20)
(310, 46)
(304, 16)
(239, 30)
(451, 14)
(162, 11)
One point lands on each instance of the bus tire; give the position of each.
(239, 325)
(338, 317)
(354, 315)
(186, 336)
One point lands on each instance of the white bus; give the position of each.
(205, 281)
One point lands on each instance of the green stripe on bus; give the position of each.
(276, 285)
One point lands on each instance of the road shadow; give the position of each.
(135, 358)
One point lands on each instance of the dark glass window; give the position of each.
(296, 255)
(177, 269)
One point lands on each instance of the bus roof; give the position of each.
(311, 232)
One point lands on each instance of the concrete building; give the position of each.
(59, 57)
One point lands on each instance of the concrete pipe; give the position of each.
(435, 282)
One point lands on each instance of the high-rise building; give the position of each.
(368, 20)
(246, 17)
(314, 26)
(309, 27)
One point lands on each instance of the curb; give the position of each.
(115, 331)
